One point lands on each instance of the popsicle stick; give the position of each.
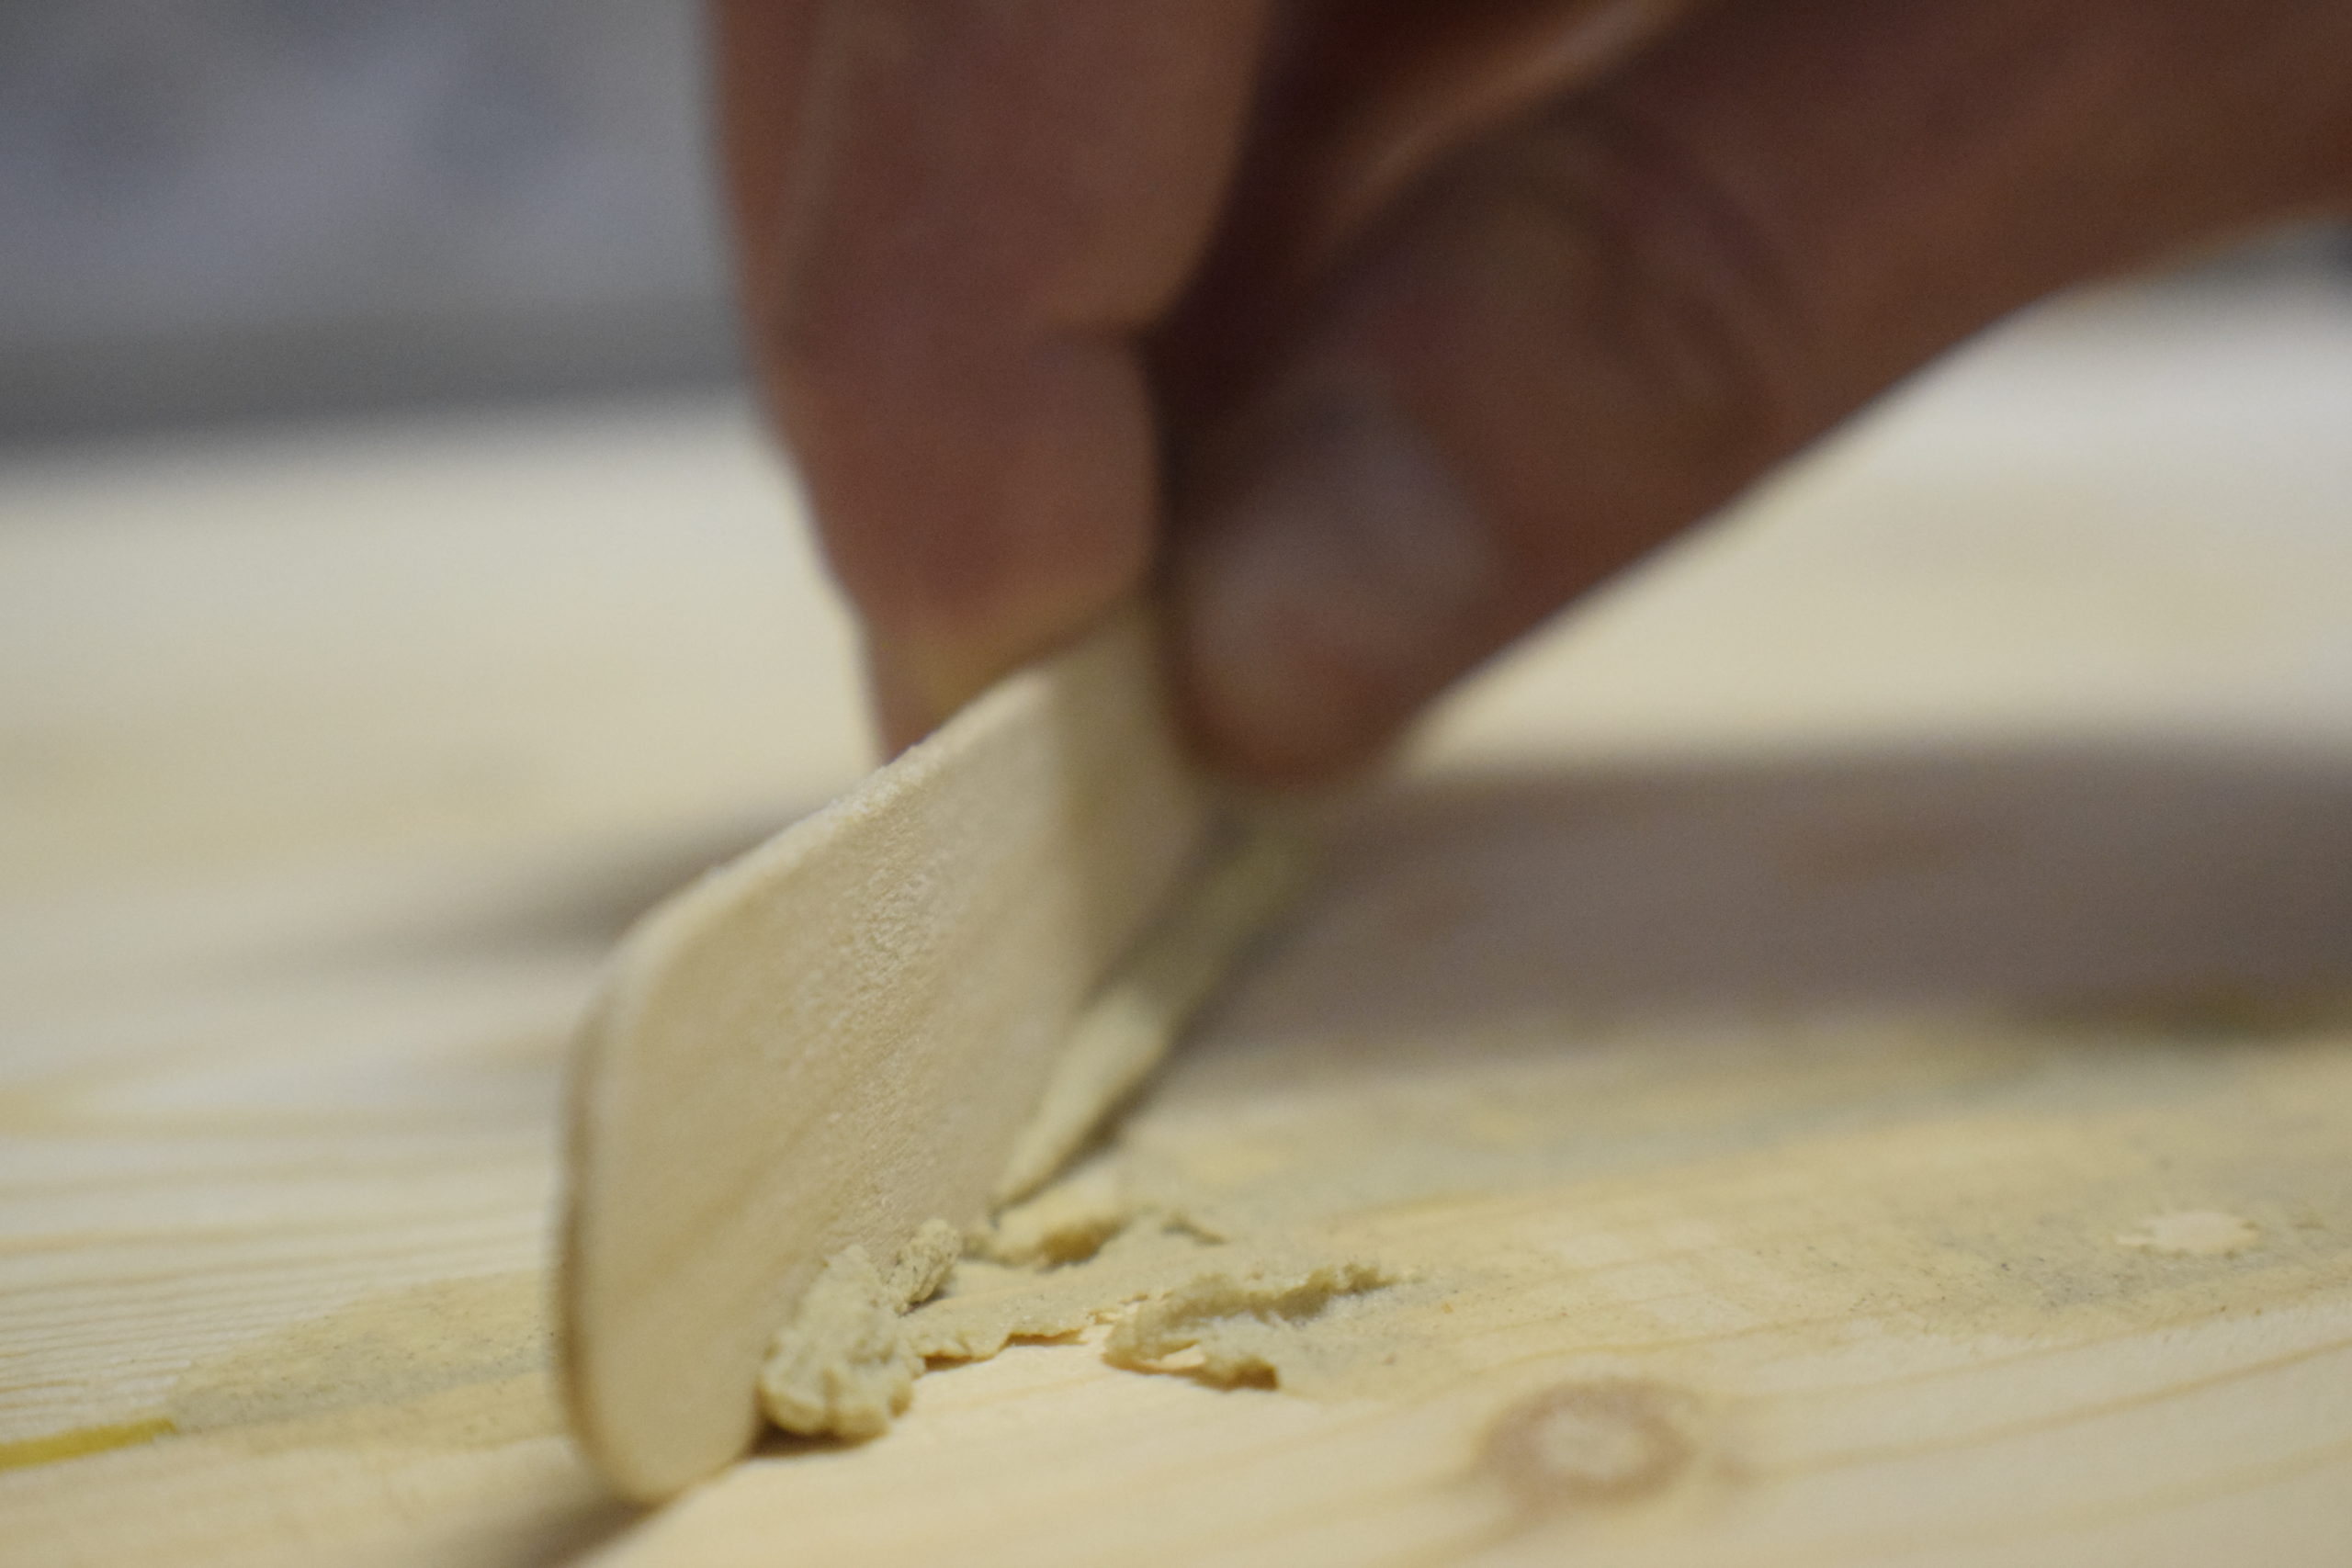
(843, 1034)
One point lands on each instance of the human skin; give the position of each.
(1368, 333)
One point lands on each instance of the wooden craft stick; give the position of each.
(844, 1034)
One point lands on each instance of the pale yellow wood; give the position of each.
(277, 1107)
(426, 643)
(841, 1035)
(1783, 1157)
(330, 766)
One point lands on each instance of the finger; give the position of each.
(987, 200)
(1588, 331)
(1364, 98)
(763, 53)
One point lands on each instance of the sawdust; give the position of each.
(844, 1367)
(1052, 1267)
(1241, 1326)
(1178, 1296)
(1080, 1253)
(437, 1365)
(2193, 1233)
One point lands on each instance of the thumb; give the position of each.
(1590, 329)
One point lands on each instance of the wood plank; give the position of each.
(274, 1265)
(282, 1101)
(1772, 1188)
(1865, 1268)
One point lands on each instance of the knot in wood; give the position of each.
(1587, 1443)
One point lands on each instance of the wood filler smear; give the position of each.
(1181, 1298)
(1080, 1253)
(843, 1366)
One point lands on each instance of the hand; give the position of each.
(1374, 331)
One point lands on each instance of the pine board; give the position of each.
(1884, 1010)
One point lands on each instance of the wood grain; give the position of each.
(1707, 1269)
(1901, 916)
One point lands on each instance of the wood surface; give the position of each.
(1885, 970)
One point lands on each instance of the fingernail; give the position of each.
(1338, 583)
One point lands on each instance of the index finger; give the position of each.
(959, 214)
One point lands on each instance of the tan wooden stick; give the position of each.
(843, 1033)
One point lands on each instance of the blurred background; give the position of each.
(377, 481)
(233, 210)
(252, 211)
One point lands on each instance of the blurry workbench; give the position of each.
(1888, 963)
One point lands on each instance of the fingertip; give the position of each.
(985, 533)
(1331, 584)
(918, 674)
(902, 711)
